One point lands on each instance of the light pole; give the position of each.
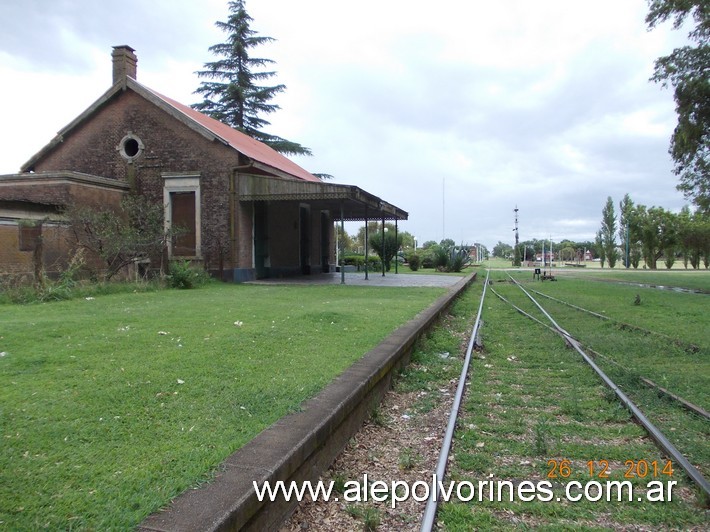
(384, 246)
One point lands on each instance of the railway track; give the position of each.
(661, 440)
(684, 403)
(659, 437)
(687, 346)
(479, 445)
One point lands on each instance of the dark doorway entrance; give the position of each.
(261, 240)
(305, 247)
(324, 241)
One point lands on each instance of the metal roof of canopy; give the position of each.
(356, 204)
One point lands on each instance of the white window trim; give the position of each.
(121, 148)
(181, 182)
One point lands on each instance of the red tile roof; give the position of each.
(239, 141)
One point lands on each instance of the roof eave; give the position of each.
(59, 138)
(156, 99)
(117, 88)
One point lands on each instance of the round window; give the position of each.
(130, 147)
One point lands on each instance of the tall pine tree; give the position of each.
(232, 94)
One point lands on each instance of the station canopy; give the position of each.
(345, 202)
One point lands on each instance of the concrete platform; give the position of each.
(374, 279)
(301, 445)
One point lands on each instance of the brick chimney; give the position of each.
(124, 63)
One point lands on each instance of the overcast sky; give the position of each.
(455, 111)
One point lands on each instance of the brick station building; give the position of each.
(247, 211)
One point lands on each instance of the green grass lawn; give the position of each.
(110, 406)
(404, 268)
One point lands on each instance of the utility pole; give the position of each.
(516, 253)
(443, 208)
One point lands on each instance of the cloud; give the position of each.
(456, 112)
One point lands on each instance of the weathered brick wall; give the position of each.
(41, 198)
(59, 191)
(170, 146)
(12, 260)
(56, 250)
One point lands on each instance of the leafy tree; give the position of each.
(608, 232)
(407, 240)
(503, 251)
(687, 69)
(374, 227)
(232, 93)
(626, 207)
(447, 243)
(657, 230)
(599, 246)
(568, 253)
(694, 237)
(387, 247)
(345, 240)
(428, 244)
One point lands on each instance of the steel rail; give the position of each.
(527, 315)
(652, 430)
(684, 403)
(595, 314)
(700, 411)
(433, 502)
(687, 346)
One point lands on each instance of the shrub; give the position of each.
(359, 262)
(386, 246)
(458, 259)
(414, 261)
(440, 258)
(427, 259)
(184, 276)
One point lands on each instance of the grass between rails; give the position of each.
(686, 372)
(532, 400)
(666, 359)
(112, 406)
(688, 279)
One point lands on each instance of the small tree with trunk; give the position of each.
(121, 236)
(387, 247)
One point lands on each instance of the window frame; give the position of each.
(183, 182)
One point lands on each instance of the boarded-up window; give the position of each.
(29, 235)
(183, 221)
